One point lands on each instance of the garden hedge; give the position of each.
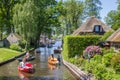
(74, 45)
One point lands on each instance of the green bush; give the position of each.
(89, 66)
(22, 43)
(100, 71)
(106, 35)
(103, 73)
(107, 58)
(15, 47)
(74, 45)
(115, 63)
(106, 51)
(97, 58)
(78, 62)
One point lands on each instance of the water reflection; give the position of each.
(44, 71)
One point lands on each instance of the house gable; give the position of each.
(89, 27)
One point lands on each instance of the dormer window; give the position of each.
(98, 28)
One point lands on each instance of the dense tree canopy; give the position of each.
(92, 8)
(113, 17)
(31, 18)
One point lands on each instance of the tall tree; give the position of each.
(6, 14)
(33, 17)
(92, 8)
(110, 18)
(25, 20)
(71, 15)
(113, 17)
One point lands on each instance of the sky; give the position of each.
(107, 6)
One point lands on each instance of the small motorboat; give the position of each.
(28, 59)
(53, 61)
(28, 69)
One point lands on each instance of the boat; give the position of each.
(24, 76)
(58, 50)
(28, 59)
(29, 68)
(52, 67)
(53, 61)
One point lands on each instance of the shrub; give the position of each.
(115, 63)
(92, 50)
(106, 35)
(100, 71)
(22, 43)
(97, 58)
(107, 58)
(15, 47)
(74, 45)
(78, 62)
(105, 51)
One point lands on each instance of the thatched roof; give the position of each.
(13, 37)
(88, 26)
(115, 37)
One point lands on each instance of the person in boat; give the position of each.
(23, 63)
(51, 57)
(59, 59)
(27, 55)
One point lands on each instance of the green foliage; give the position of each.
(22, 43)
(100, 71)
(106, 35)
(97, 58)
(77, 61)
(15, 47)
(71, 15)
(115, 62)
(110, 18)
(100, 66)
(106, 51)
(107, 58)
(74, 45)
(92, 8)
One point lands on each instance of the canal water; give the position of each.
(44, 71)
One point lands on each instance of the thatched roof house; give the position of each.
(92, 25)
(12, 38)
(114, 39)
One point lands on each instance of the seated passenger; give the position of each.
(23, 63)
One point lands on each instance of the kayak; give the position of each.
(28, 69)
(28, 59)
(53, 61)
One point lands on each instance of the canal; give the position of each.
(44, 71)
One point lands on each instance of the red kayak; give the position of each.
(29, 68)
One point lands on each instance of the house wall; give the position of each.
(116, 45)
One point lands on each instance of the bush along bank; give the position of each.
(74, 45)
(103, 66)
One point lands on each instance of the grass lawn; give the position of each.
(7, 54)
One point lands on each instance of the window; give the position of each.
(97, 28)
